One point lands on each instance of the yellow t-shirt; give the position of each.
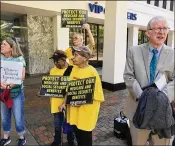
(56, 102)
(70, 55)
(85, 116)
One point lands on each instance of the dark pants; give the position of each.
(173, 144)
(84, 138)
(58, 122)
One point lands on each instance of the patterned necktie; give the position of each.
(153, 65)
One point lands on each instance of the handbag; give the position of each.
(66, 126)
(121, 128)
(15, 91)
(5, 98)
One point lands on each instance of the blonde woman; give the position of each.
(10, 51)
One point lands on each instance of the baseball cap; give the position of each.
(84, 49)
(58, 55)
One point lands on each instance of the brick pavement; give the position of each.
(39, 121)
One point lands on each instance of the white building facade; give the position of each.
(116, 26)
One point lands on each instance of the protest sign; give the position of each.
(11, 72)
(54, 86)
(81, 91)
(72, 18)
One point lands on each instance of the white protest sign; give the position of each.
(11, 72)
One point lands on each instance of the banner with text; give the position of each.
(81, 91)
(72, 18)
(11, 72)
(54, 86)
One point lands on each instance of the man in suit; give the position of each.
(147, 64)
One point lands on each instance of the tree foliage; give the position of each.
(5, 32)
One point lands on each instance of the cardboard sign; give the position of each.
(54, 86)
(11, 72)
(72, 18)
(81, 91)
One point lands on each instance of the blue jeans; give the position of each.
(18, 112)
(58, 122)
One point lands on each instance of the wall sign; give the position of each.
(96, 8)
(72, 18)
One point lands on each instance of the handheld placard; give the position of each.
(81, 91)
(54, 86)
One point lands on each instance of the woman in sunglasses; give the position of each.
(77, 40)
(10, 51)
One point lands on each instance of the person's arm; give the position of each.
(129, 76)
(91, 38)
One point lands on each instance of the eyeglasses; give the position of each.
(164, 29)
(74, 38)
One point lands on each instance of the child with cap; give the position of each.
(59, 58)
(84, 117)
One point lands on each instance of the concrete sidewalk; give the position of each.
(39, 120)
(14, 137)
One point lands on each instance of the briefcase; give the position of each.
(121, 128)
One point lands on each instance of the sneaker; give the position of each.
(21, 142)
(4, 142)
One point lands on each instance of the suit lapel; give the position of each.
(145, 53)
(163, 54)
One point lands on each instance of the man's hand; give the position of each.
(86, 26)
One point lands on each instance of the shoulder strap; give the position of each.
(68, 71)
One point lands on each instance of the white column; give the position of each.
(161, 3)
(152, 2)
(168, 4)
(132, 36)
(115, 37)
(170, 41)
(61, 35)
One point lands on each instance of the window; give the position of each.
(156, 3)
(148, 1)
(164, 4)
(142, 38)
(171, 5)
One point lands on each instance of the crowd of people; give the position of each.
(147, 65)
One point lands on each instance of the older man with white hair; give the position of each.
(147, 64)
